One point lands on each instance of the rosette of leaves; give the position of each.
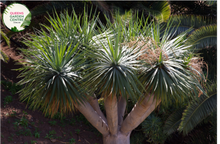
(53, 64)
(167, 71)
(51, 78)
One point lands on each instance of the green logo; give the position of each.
(16, 17)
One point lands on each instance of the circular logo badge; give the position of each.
(16, 17)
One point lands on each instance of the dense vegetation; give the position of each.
(189, 115)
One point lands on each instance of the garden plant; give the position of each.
(78, 59)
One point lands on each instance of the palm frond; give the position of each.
(196, 111)
(173, 121)
(185, 22)
(204, 37)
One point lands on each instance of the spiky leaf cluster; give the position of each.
(52, 71)
(73, 56)
(169, 77)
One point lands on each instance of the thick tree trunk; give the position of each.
(111, 108)
(118, 139)
(113, 132)
(141, 110)
(93, 117)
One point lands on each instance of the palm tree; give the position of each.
(74, 60)
(203, 38)
(185, 119)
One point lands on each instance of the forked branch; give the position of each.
(95, 105)
(93, 117)
(140, 111)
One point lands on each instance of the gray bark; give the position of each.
(141, 110)
(95, 105)
(118, 139)
(93, 117)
